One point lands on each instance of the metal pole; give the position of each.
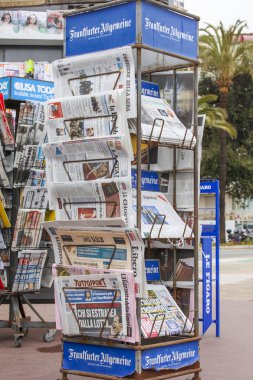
(217, 259)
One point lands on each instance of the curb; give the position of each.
(235, 247)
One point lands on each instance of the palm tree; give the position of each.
(223, 56)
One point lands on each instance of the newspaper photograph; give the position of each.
(160, 123)
(159, 219)
(28, 229)
(29, 270)
(97, 72)
(77, 117)
(87, 160)
(113, 247)
(92, 200)
(160, 314)
(93, 305)
(128, 285)
(31, 124)
(34, 198)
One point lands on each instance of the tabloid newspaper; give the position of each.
(159, 219)
(99, 248)
(30, 158)
(128, 285)
(93, 199)
(29, 270)
(93, 305)
(97, 115)
(160, 123)
(97, 72)
(31, 124)
(85, 160)
(34, 197)
(28, 229)
(160, 314)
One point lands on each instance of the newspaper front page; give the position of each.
(98, 72)
(160, 314)
(29, 270)
(113, 248)
(128, 286)
(93, 305)
(92, 200)
(159, 219)
(85, 160)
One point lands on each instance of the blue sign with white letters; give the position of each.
(207, 282)
(150, 89)
(31, 89)
(98, 359)
(169, 31)
(102, 29)
(152, 268)
(5, 87)
(149, 180)
(171, 357)
(209, 187)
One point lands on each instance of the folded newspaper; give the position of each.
(92, 200)
(97, 72)
(127, 279)
(34, 197)
(98, 115)
(158, 217)
(99, 248)
(160, 314)
(29, 270)
(88, 160)
(31, 124)
(93, 305)
(28, 229)
(160, 123)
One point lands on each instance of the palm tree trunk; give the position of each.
(223, 169)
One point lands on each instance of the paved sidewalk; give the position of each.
(226, 358)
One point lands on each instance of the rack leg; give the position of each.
(196, 376)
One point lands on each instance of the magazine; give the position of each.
(29, 270)
(112, 248)
(159, 219)
(93, 305)
(160, 123)
(160, 314)
(128, 285)
(55, 22)
(9, 24)
(32, 23)
(98, 72)
(93, 199)
(87, 160)
(96, 115)
(28, 229)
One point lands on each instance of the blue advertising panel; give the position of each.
(31, 89)
(150, 89)
(209, 187)
(207, 283)
(152, 268)
(98, 359)
(169, 31)
(5, 87)
(102, 29)
(171, 357)
(149, 180)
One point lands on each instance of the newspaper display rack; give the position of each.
(104, 229)
(26, 201)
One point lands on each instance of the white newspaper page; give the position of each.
(93, 305)
(71, 242)
(127, 279)
(92, 200)
(97, 72)
(72, 118)
(160, 123)
(159, 219)
(184, 191)
(28, 228)
(88, 160)
(29, 270)
(35, 197)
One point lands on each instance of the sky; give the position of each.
(227, 11)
